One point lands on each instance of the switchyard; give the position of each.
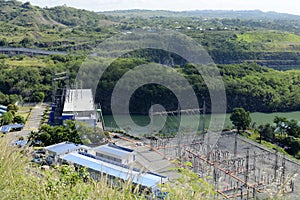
(242, 171)
(239, 168)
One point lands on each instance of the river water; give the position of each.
(189, 121)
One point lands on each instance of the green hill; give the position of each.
(229, 36)
(27, 15)
(60, 28)
(236, 45)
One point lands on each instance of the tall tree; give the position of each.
(240, 119)
(266, 132)
(7, 118)
(281, 124)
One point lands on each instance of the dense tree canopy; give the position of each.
(266, 132)
(78, 133)
(285, 133)
(48, 135)
(7, 118)
(240, 118)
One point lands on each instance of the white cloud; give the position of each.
(288, 6)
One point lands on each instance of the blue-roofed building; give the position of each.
(2, 111)
(8, 128)
(3, 107)
(62, 148)
(98, 167)
(5, 129)
(105, 163)
(116, 153)
(21, 143)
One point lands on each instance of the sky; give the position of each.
(284, 6)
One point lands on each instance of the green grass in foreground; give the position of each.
(17, 182)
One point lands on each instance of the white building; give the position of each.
(115, 153)
(114, 172)
(62, 148)
(79, 105)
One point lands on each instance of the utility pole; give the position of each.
(247, 173)
(208, 147)
(151, 127)
(179, 133)
(254, 162)
(283, 171)
(276, 165)
(235, 145)
(204, 120)
(53, 87)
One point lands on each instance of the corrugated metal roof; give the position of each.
(112, 151)
(16, 125)
(143, 179)
(3, 107)
(63, 147)
(79, 100)
(7, 128)
(21, 143)
(109, 161)
(2, 111)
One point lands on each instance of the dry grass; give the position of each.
(26, 62)
(24, 111)
(19, 180)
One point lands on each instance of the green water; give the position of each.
(191, 121)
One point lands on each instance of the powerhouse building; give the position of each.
(79, 106)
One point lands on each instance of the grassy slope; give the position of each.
(52, 28)
(269, 36)
(26, 62)
(272, 40)
(17, 182)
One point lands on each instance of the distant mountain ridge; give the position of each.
(241, 14)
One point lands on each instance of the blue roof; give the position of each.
(7, 128)
(143, 179)
(67, 114)
(2, 111)
(113, 151)
(21, 143)
(16, 125)
(3, 107)
(119, 147)
(63, 147)
(109, 161)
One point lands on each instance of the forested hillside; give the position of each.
(244, 48)
(60, 28)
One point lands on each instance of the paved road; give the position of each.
(33, 123)
(150, 160)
